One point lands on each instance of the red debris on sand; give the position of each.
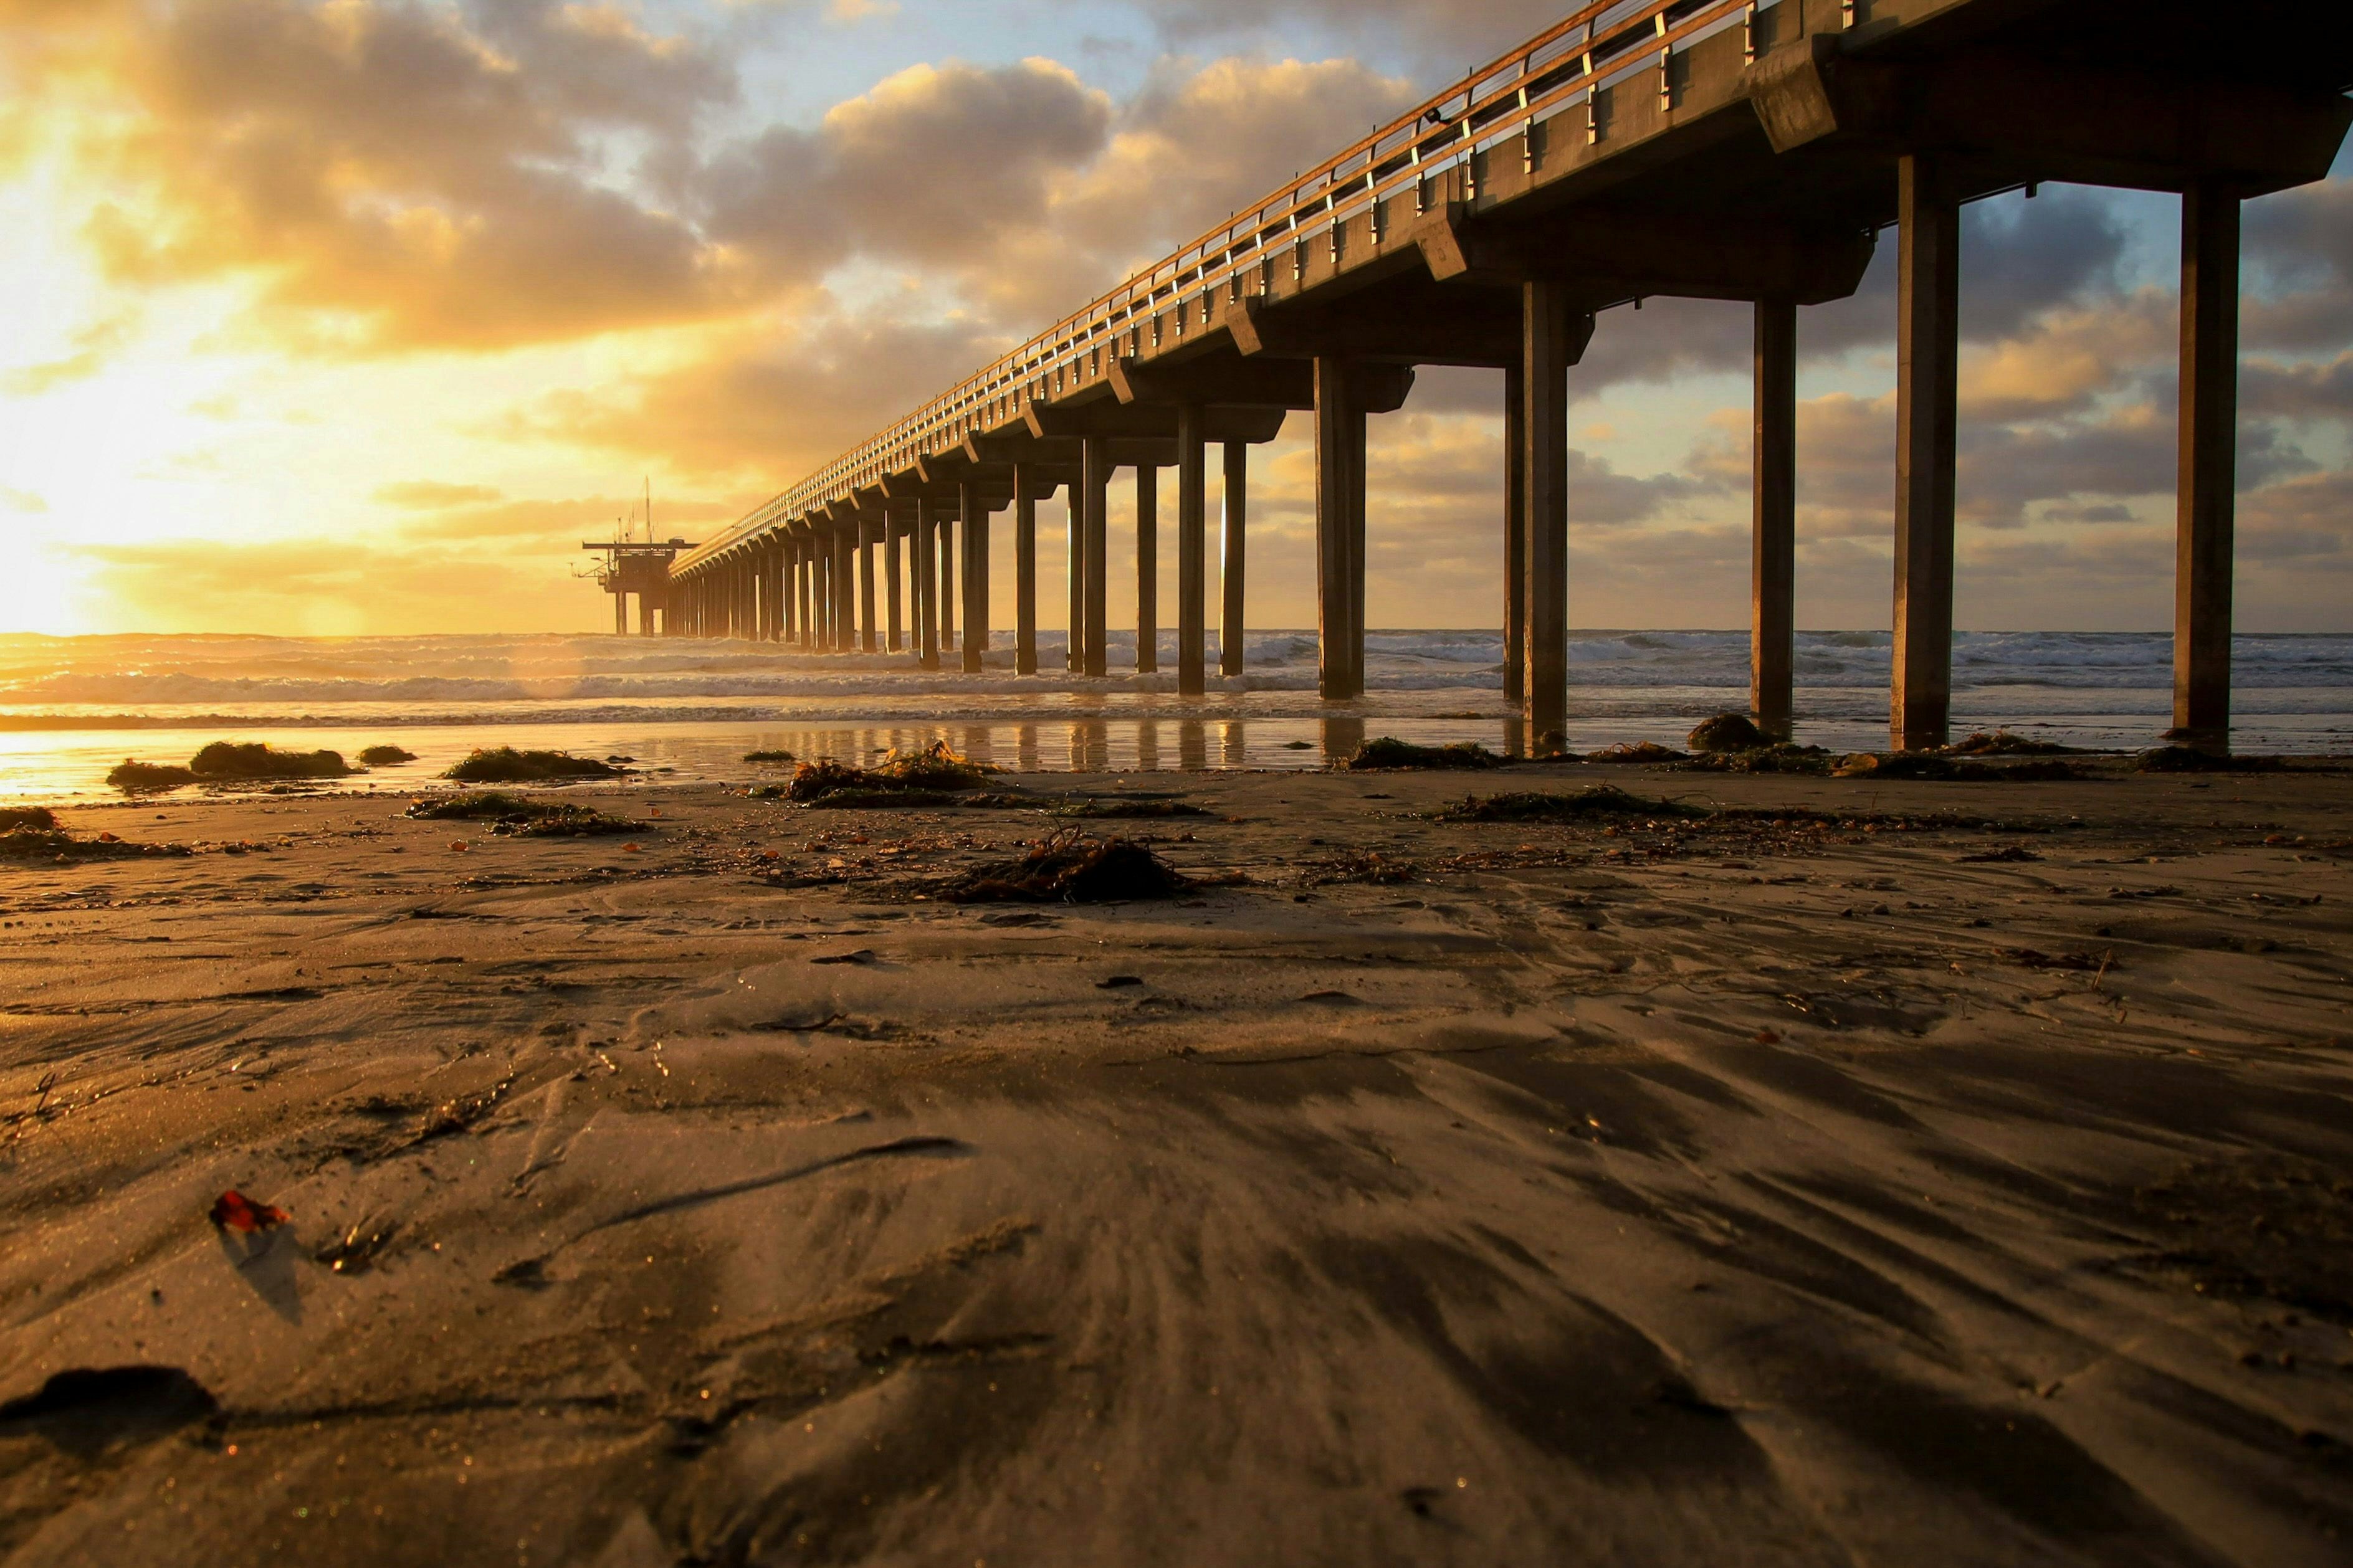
(234, 1211)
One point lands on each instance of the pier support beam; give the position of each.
(1551, 339)
(1025, 575)
(1339, 532)
(1927, 351)
(1192, 553)
(866, 638)
(1233, 559)
(944, 598)
(1095, 492)
(845, 587)
(1074, 558)
(1772, 618)
(894, 612)
(806, 592)
(2206, 520)
(973, 515)
(1147, 569)
(1515, 537)
(926, 583)
(789, 554)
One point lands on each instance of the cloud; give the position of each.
(394, 176)
(928, 166)
(431, 495)
(95, 345)
(22, 500)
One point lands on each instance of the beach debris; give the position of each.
(1637, 751)
(30, 844)
(504, 764)
(862, 956)
(355, 1252)
(2003, 744)
(1387, 751)
(1781, 757)
(1126, 806)
(1298, 746)
(2028, 958)
(1727, 732)
(35, 817)
(1116, 982)
(2009, 855)
(1532, 806)
(768, 756)
(1358, 866)
(234, 1211)
(386, 756)
(933, 775)
(1070, 868)
(236, 760)
(517, 817)
(133, 777)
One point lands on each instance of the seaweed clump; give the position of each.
(1386, 751)
(1780, 757)
(932, 776)
(2003, 744)
(771, 755)
(13, 817)
(511, 815)
(253, 760)
(31, 842)
(1727, 732)
(1531, 805)
(504, 764)
(147, 778)
(386, 756)
(1071, 869)
(1637, 751)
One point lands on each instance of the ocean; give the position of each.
(72, 707)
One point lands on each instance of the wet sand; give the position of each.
(1884, 1189)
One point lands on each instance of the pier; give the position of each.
(1709, 149)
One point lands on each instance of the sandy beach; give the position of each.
(1869, 1173)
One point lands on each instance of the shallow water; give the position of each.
(72, 708)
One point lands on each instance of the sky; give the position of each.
(341, 317)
